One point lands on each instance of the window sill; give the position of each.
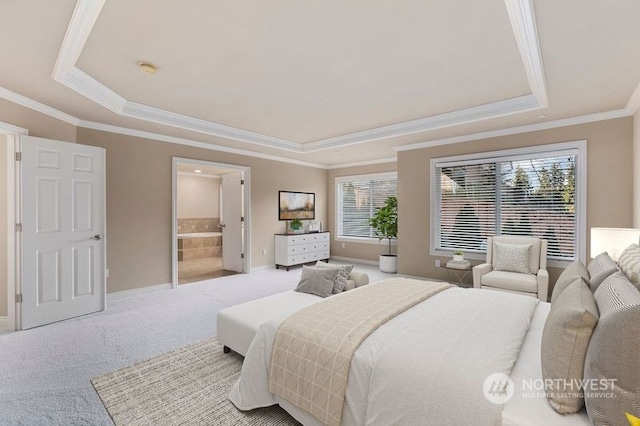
(364, 240)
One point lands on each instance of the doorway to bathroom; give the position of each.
(210, 220)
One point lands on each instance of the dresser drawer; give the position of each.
(298, 249)
(319, 255)
(297, 239)
(297, 259)
(319, 237)
(319, 247)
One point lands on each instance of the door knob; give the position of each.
(96, 237)
(222, 225)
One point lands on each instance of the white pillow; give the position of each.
(512, 257)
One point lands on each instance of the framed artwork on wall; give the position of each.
(296, 205)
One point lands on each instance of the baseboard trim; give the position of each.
(4, 324)
(262, 268)
(354, 260)
(136, 291)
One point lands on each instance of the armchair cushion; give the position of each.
(513, 281)
(512, 257)
(536, 248)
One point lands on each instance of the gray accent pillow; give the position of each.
(629, 263)
(317, 281)
(575, 269)
(340, 282)
(599, 269)
(614, 353)
(512, 257)
(565, 340)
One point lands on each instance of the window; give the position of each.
(357, 198)
(532, 192)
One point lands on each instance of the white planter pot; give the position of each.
(458, 257)
(389, 263)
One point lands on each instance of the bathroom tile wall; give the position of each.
(191, 225)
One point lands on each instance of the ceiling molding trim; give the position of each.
(448, 119)
(364, 163)
(89, 87)
(37, 106)
(525, 30)
(160, 116)
(82, 21)
(10, 128)
(608, 115)
(86, 13)
(634, 101)
(189, 142)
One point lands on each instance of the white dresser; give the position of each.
(294, 249)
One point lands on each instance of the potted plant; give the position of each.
(385, 223)
(458, 256)
(296, 225)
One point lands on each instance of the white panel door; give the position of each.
(232, 222)
(63, 231)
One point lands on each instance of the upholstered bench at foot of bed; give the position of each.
(238, 325)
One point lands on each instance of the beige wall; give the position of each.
(610, 171)
(198, 197)
(38, 124)
(350, 249)
(3, 227)
(636, 169)
(139, 203)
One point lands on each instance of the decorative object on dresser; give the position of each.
(298, 249)
(385, 224)
(458, 256)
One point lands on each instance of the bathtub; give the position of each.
(200, 235)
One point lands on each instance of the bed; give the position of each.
(428, 365)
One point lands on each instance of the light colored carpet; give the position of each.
(185, 386)
(45, 372)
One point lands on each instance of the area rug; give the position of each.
(187, 386)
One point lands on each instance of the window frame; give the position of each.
(338, 204)
(578, 148)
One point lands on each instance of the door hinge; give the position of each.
(241, 255)
(242, 182)
(242, 219)
(18, 156)
(18, 227)
(19, 298)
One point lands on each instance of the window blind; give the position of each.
(528, 195)
(358, 198)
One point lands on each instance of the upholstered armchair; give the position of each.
(516, 265)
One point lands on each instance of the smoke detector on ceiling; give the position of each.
(147, 67)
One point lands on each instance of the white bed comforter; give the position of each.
(426, 366)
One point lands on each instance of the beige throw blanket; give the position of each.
(313, 348)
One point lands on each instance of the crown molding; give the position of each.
(464, 116)
(189, 142)
(634, 101)
(37, 106)
(157, 115)
(89, 87)
(608, 115)
(363, 163)
(82, 21)
(525, 30)
(11, 129)
(86, 13)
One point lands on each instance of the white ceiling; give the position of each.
(329, 82)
